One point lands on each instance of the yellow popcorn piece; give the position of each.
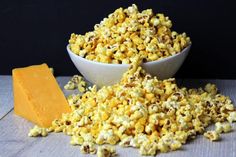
(175, 145)
(223, 127)
(148, 148)
(76, 140)
(70, 86)
(38, 131)
(127, 141)
(211, 88)
(181, 136)
(163, 147)
(212, 135)
(227, 127)
(106, 151)
(219, 127)
(232, 117)
(76, 82)
(88, 148)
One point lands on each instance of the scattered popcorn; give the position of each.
(227, 127)
(124, 33)
(211, 88)
(219, 127)
(212, 135)
(76, 82)
(70, 86)
(38, 131)
(127, 141)
(232, 117)
(76, 140)
(148, 148)
(143, 112)
(106, 151)
(175, 145)
(223, 127)
(88, 148)
(162, 147)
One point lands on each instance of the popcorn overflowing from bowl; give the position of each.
(139, 110)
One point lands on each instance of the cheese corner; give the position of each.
(37, 95)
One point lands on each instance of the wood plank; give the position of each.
(6, 97)
(15, 142)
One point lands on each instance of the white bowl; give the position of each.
(108, 74)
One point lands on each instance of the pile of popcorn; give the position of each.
(142, 112)
(126, 33)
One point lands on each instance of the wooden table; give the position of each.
(14, 141)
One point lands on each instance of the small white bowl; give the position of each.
(108, 74)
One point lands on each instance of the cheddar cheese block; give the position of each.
(37, 95)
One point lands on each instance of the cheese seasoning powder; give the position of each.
(142, 112)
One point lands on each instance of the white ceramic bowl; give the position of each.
(107, 74)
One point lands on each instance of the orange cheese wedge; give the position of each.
(37, 95)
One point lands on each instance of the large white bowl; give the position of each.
(107, 74)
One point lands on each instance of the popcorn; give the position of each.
(211, 88)
(140, 111)
(222, 127)
(143, 112)
(88, 148)
(127, 32)
(219, 127)
(212, 135)
(37, 131)
(148, 148)
(162, 147)
(227, 127)
(106, 151)
(76, 140)
(127, 141)
(76, 82)
(70, 86)
(232, 117)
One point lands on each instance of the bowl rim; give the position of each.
(126, 65)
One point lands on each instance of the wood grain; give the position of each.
(15, 142)
(6, 97)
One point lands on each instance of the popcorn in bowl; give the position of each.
(126, 33)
